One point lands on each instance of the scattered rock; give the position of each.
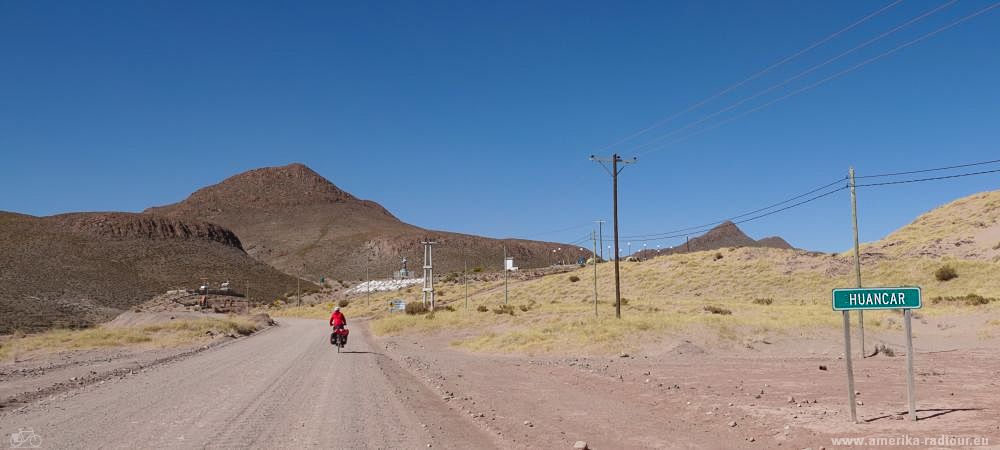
(732, 424)
(822, 367)
(580, 445)
(528, 423)
(791, 399)
(860, 403)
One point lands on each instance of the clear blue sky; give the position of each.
(479, 117)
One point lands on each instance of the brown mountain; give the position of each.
(84, 268)
(726, 234)
(297, 221)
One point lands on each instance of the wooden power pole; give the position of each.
(615, 159)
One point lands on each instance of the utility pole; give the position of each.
(429, 272)
(594, 239)
(505, 292)
(857, 257)
(465, 278)
(687, 239)
(600, 236)
(368, 281)
(614, 171)
(298, 289)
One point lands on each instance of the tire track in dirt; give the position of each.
(285, 388)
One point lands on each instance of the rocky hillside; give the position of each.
(967, 228)
(724, 235)
(299, 222)
(84, 268)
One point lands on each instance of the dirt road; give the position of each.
(286, 387)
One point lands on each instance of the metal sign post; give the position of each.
(907, 314)
(850, 366)
(860, 299)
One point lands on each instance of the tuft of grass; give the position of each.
(717, 256)
(413, 308)
(945, 273)
(573, 278)
(970, 299)
(717, 310)
(763, 301)
(168, 334)
(343, 303)
(482, 308)
(504, 309)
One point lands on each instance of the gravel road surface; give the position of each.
(284, 388)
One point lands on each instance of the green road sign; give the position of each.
(876, 298)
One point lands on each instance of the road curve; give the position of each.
(284, 388)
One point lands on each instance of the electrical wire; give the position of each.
(697, 227)
(559, 230)
(893, 174)
(760, 73)
(760, 216)
(829, 78)
(918, 180)
(797, 76)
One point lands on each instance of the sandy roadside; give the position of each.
(690, 397)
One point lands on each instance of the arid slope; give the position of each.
(297, 221)
(84, 268)
(967, 228)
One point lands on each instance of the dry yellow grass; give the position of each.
(169, 334)
(970, 221)
(668, 294)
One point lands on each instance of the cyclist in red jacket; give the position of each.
(337, 319)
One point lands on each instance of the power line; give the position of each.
(760, 73)
(829, 78)
(760, 216)
(918, 180)
(558, 231)
(801, 74)
(893, 174)
(839, 180)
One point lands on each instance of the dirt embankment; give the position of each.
(77, 270)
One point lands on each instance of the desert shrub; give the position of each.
(717, 256)
(763, 301)
(450, 278)
(883, 349)
(524, 308)
(343, 303)
(504, 309)
(573, 278)
(945, 273)
(447, 308)
(717, 310)
(482, 308)
(416, 308)
(477, 269)
(970, 299)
